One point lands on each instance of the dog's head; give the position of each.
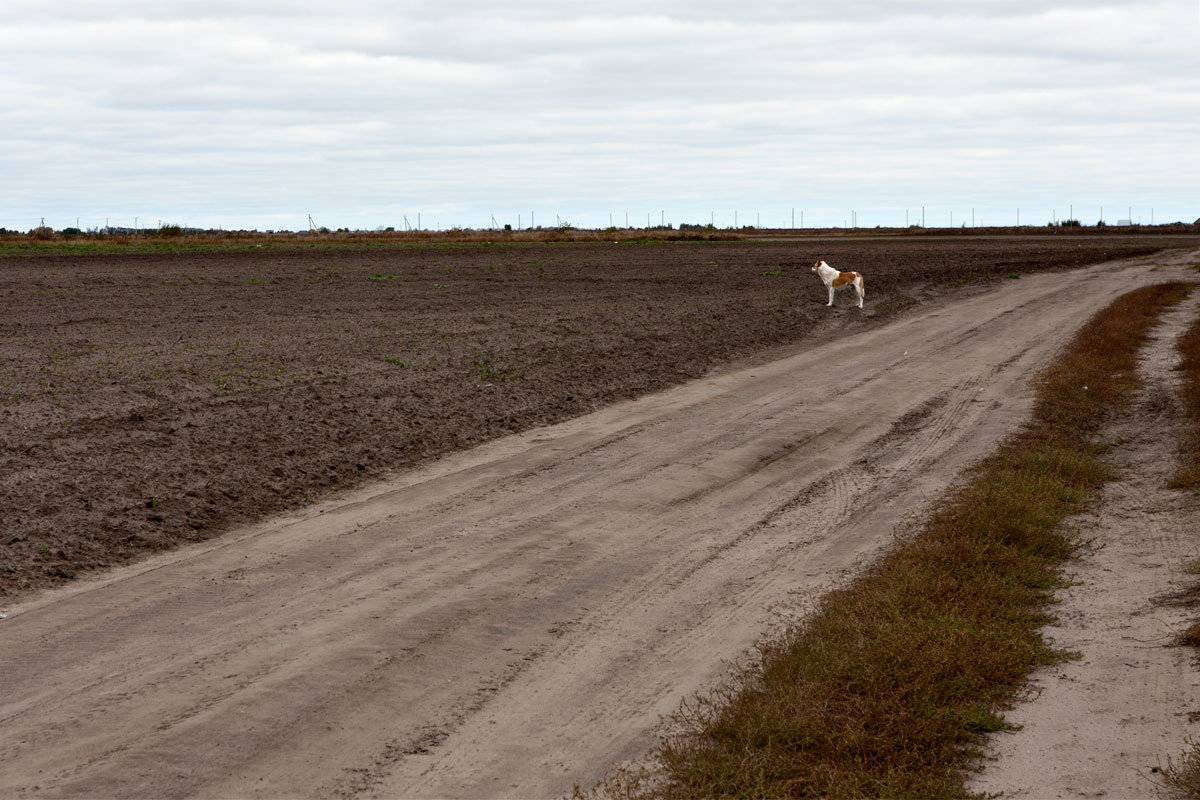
(817, 265)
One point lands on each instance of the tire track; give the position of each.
(512, 620)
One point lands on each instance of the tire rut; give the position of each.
(525, 611)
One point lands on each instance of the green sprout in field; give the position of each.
(489, 374)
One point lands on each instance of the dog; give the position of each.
(835, 280)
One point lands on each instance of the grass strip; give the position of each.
(887, 690)
(1188, 476)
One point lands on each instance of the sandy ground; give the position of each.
(514, 619)
(1105, 724)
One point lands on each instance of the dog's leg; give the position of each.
(830, 295)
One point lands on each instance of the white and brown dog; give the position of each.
(835, 280)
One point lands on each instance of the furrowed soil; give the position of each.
(510, 618)
(150, 400)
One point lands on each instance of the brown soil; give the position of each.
(149, 400)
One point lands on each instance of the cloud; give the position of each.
(245, 113)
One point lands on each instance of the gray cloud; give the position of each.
(257, 113)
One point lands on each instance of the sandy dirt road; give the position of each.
(514, 619)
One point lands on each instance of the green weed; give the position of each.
(489, 374)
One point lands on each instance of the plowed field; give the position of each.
(148, 400)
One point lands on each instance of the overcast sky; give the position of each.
(256, 113)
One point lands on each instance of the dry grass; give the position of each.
(1188, 476)
(887, 690)
(1183, 778)
(173, 238)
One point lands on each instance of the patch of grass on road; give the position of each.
(1188, 476)
(888, 689)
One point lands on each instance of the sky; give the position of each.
(362, 114)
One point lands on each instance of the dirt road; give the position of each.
(514, 619)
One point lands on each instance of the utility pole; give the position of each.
(922, 216)
(972, 218)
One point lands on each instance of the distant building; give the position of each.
(1124, 222)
